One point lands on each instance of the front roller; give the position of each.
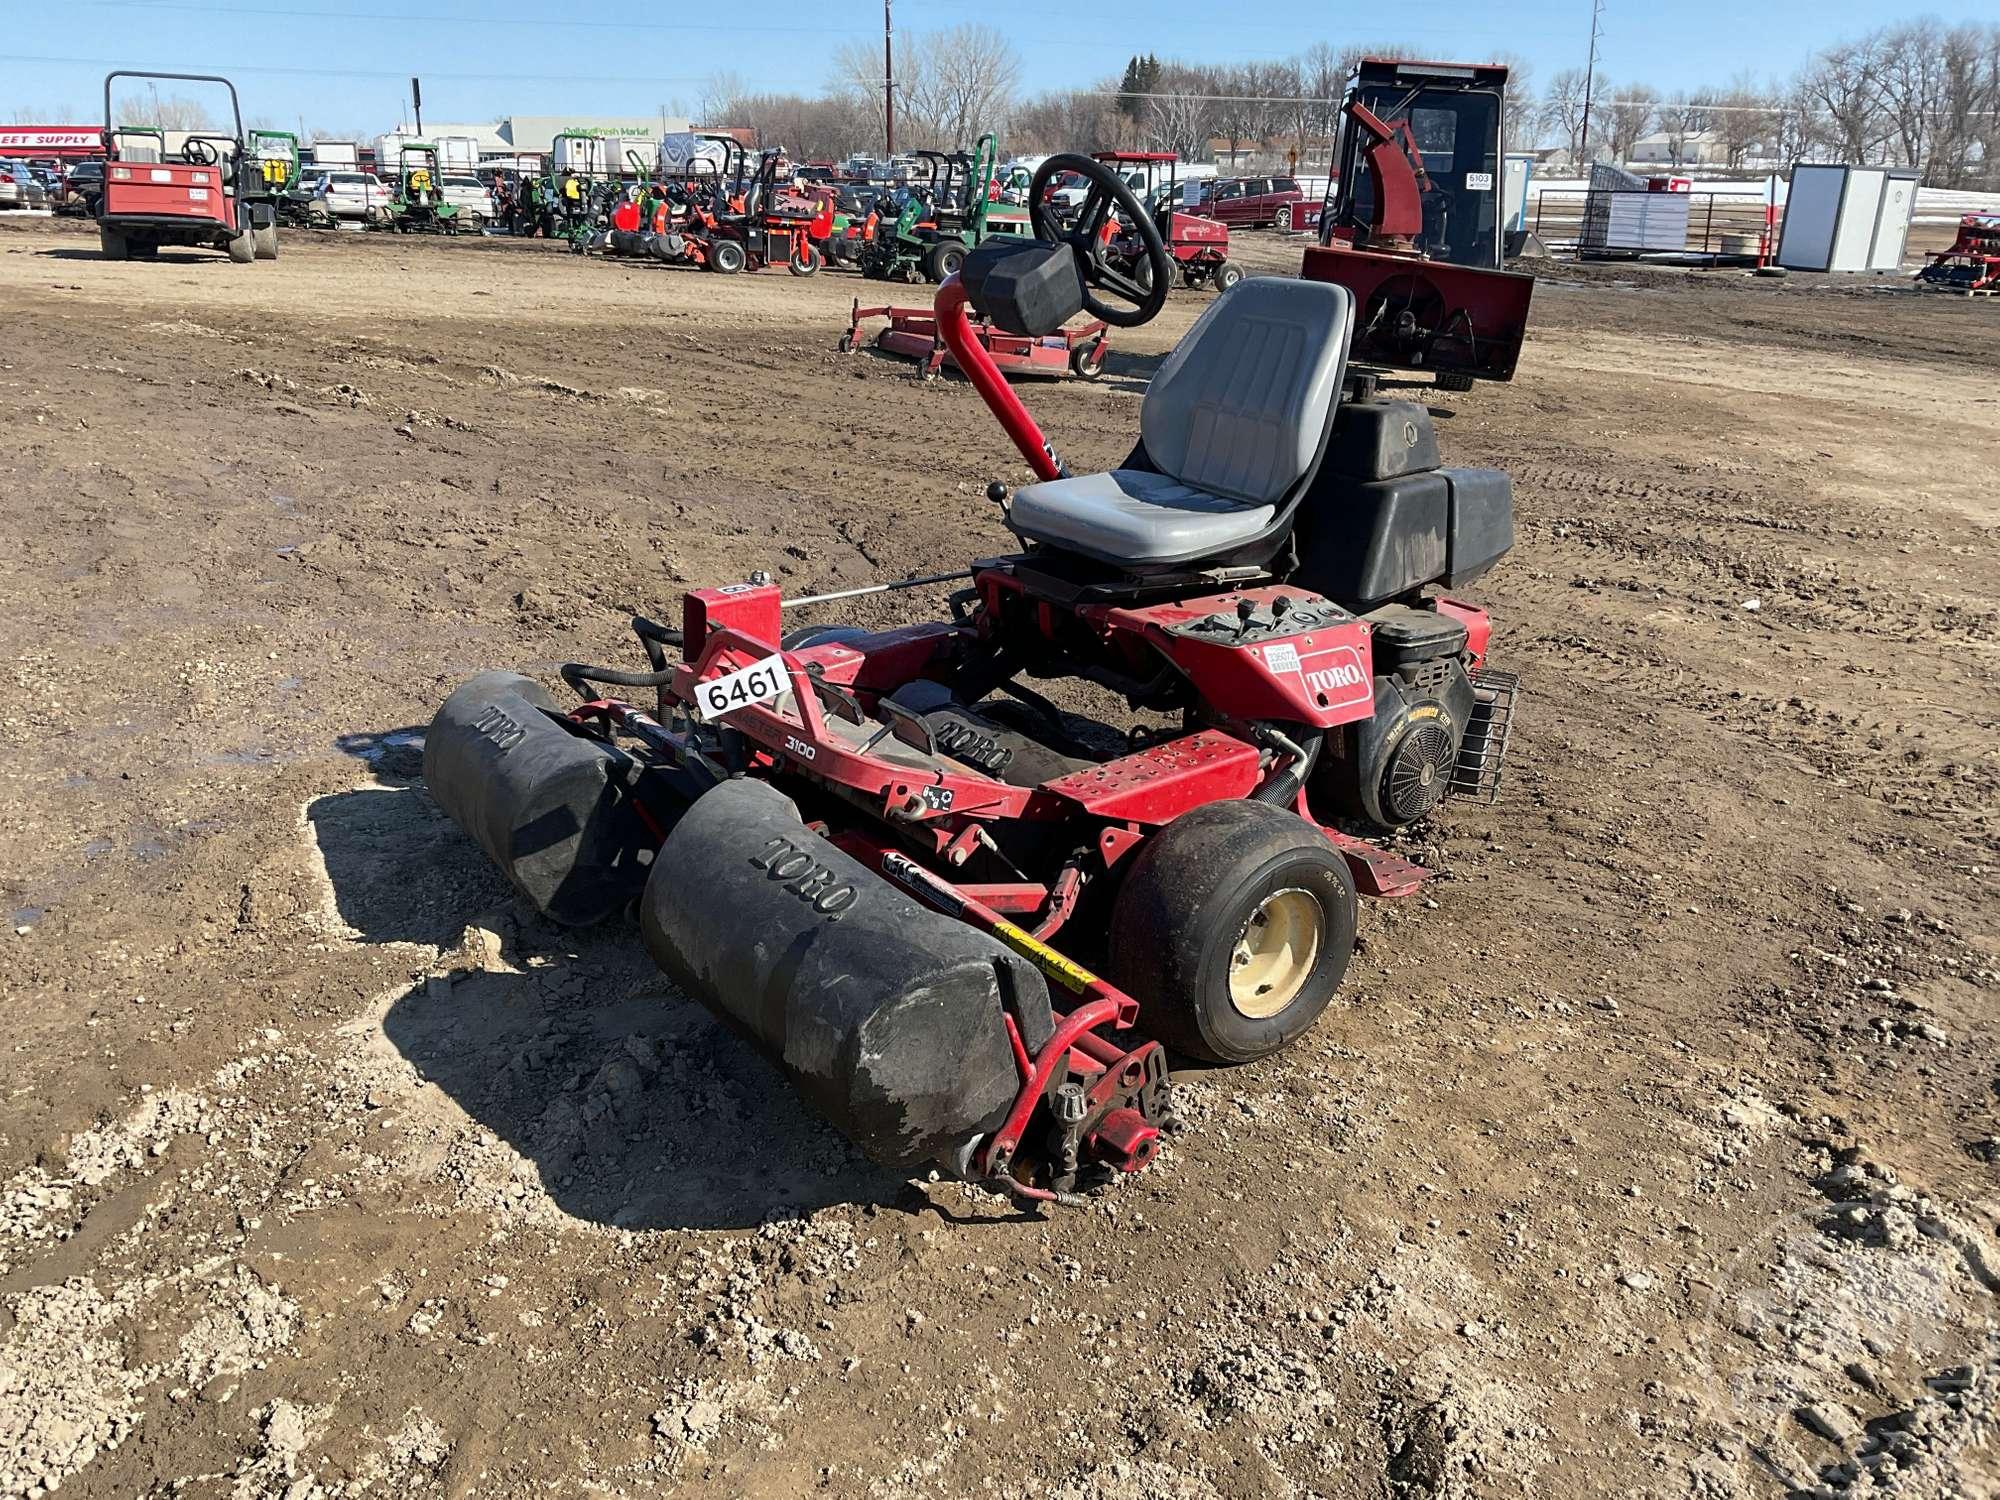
(563, 814)
(890, 1018)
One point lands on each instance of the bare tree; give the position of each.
(962, 83)
(1798, 126)
(167, 111)
(1628, 117)
(1683, 117)
(1068, 120)
(1743, 119)
(1914, 86)
(1562, 111)
(1845, 82)
(1183, 114)
(719, 94)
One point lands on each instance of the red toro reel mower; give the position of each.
(1970, 263)
(965, 916)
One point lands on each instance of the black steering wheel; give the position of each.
(197, 151)
(1085, 236)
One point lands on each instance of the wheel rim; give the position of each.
(1275, 952)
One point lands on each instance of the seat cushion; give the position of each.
(1134, 516)
(1242, 405)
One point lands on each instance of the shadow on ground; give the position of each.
(636, 1108)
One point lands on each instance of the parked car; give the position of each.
(20, 187)
(1242, 201)
(349, 195)
(83, 189)
(472, 198)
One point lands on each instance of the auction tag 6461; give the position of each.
(760, 682)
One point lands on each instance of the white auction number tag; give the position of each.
(1479, 182)
(760, 682)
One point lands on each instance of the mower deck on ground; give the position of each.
(859, 848)
(914, 333)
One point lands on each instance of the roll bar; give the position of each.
(235, 107)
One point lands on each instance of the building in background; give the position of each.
(535, 135)
(63, 142)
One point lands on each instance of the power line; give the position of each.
(476, 22)
(116, 62)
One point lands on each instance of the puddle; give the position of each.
(377, 748)
(98, 848)
(26, 916)
(291, 685)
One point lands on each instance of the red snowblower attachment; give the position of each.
(860, 848)
(1412, 222)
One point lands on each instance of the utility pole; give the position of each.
(417, 104)
(1590, 81)
(888, 84)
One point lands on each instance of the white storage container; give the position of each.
(589, 156)
(1846, 218)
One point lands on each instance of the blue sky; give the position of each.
(344, 64)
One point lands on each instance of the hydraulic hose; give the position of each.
(1283, 789)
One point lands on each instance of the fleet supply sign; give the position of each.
(51, 140)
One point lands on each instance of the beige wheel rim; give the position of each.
(1274, 953)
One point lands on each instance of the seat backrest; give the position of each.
(1242, 406)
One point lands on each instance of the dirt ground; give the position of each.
(1650, 1152)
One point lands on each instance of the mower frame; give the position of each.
(913, 333)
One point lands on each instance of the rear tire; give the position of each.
(265, 240)
(112, 245)
(727, 257)
(943, 262)
(1234, 926)
(1227, 275)
(243, 248)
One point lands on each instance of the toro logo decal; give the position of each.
(1336, 678)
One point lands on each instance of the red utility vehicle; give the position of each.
(199, 200)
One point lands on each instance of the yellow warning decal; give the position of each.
(1072, 976)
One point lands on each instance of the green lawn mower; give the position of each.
(273, 178)
(937, 222)
(419, 205)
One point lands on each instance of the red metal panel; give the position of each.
(168, 190)
(1464, 319)
(1157, 785)
(748, 608)
(1318, 674)
(1478, 625)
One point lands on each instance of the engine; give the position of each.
(1397, 765)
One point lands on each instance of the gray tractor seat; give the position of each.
(1231, 433)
